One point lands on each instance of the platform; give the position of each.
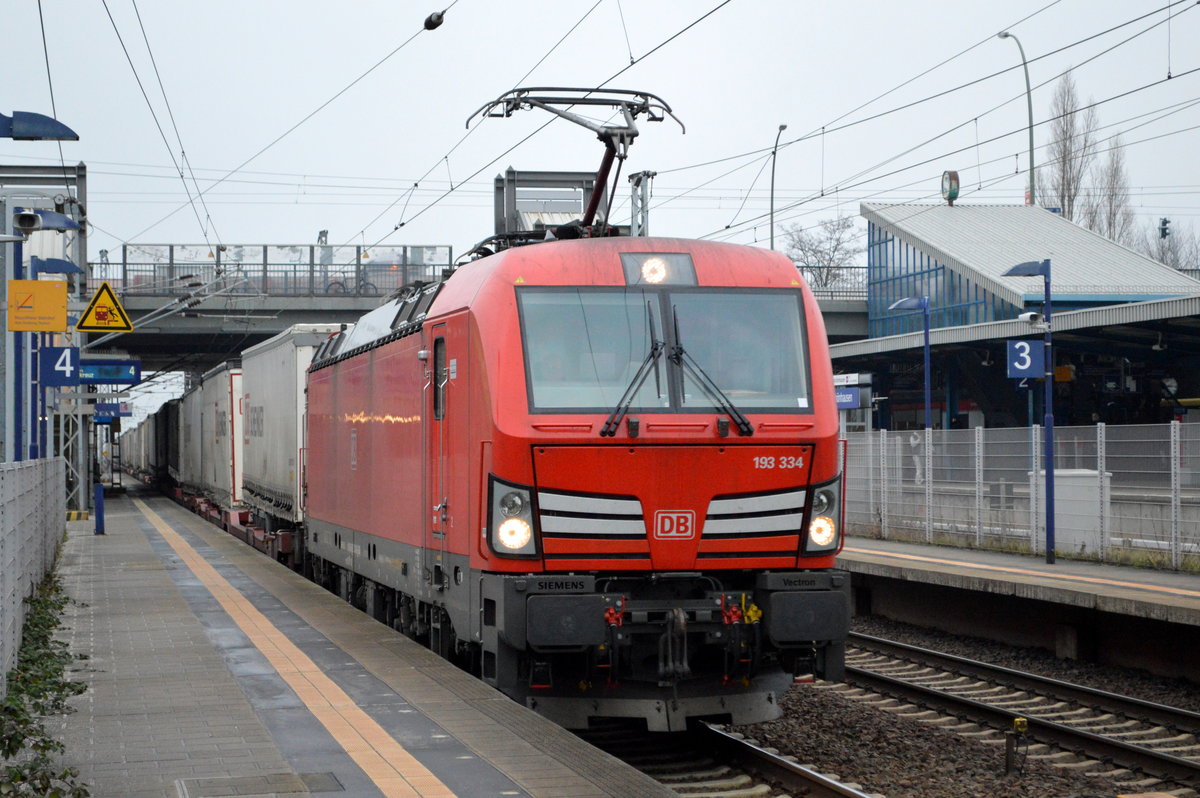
(213, 670)
(1137, 617)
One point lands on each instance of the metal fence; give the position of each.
(1123, 494)
(276, 270)
(33, 519)
(845, 282)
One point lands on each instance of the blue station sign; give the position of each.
(110, 372)
(58, 366)
(849, 397)
(1026, 360)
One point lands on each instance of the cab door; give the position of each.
(446, 450)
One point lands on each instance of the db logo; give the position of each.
(674, 524)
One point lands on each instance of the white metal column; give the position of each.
(979, 487)
(1176, 519)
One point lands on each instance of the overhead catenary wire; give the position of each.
(309, 116)
(996, 107)
(446, 157)
(483, 189)
(549, 122)
(831, 128)
(956, 151)
(50, 84)
(416, 198)
(162, 134)
(823, 130)
(174, 126)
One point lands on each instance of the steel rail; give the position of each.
(722, 764)
(1133, 708)
(791, 776)
(1094, 746)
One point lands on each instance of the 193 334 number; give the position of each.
(779, 462)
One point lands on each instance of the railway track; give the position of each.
(1138, 744)
(710, 763)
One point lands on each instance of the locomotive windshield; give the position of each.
(584, 346)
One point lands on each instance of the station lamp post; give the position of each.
(920, 303)
(774, 150)
(1034, 268)
(1029, 100)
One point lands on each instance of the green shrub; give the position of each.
(37, 688)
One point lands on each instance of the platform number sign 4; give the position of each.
(59, 366)
(1026, 359)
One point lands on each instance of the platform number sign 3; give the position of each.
(1025, 359)
(59, 366)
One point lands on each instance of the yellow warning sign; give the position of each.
(104, 313)
(37, 305)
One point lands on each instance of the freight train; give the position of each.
(601, 474)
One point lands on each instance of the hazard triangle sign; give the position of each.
(104, 313)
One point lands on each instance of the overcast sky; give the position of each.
(238, 75)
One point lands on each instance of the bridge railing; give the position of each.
(846, 282)
(1127, 494)
(272, 269)
(33, 519)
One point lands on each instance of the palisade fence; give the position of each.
(33, 519)
(1123, 494)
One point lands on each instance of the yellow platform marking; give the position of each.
(393, 769)
(1095, 580)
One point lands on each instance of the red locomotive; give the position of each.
(603, 473)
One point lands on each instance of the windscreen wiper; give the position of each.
(613, 422)
(720, 401)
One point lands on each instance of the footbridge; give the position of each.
(195, 305)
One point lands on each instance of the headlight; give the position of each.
(511, 522)
(512, 504)
(824, 519)
(514, 534)
(822, 531)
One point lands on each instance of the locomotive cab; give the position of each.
(663, 504)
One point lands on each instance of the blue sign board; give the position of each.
(1026, 359)
(848, 398)
(58, 366)
(110, 409)
(110, 372)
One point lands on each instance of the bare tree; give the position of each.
(1179, 250)
(1072, 148)
(823, 254)
(1106, 208)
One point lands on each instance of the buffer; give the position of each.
(104, 313)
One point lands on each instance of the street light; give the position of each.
(1032, 269)
(20, 126)
(1029, 100)
(920, 303)
(773, 151)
